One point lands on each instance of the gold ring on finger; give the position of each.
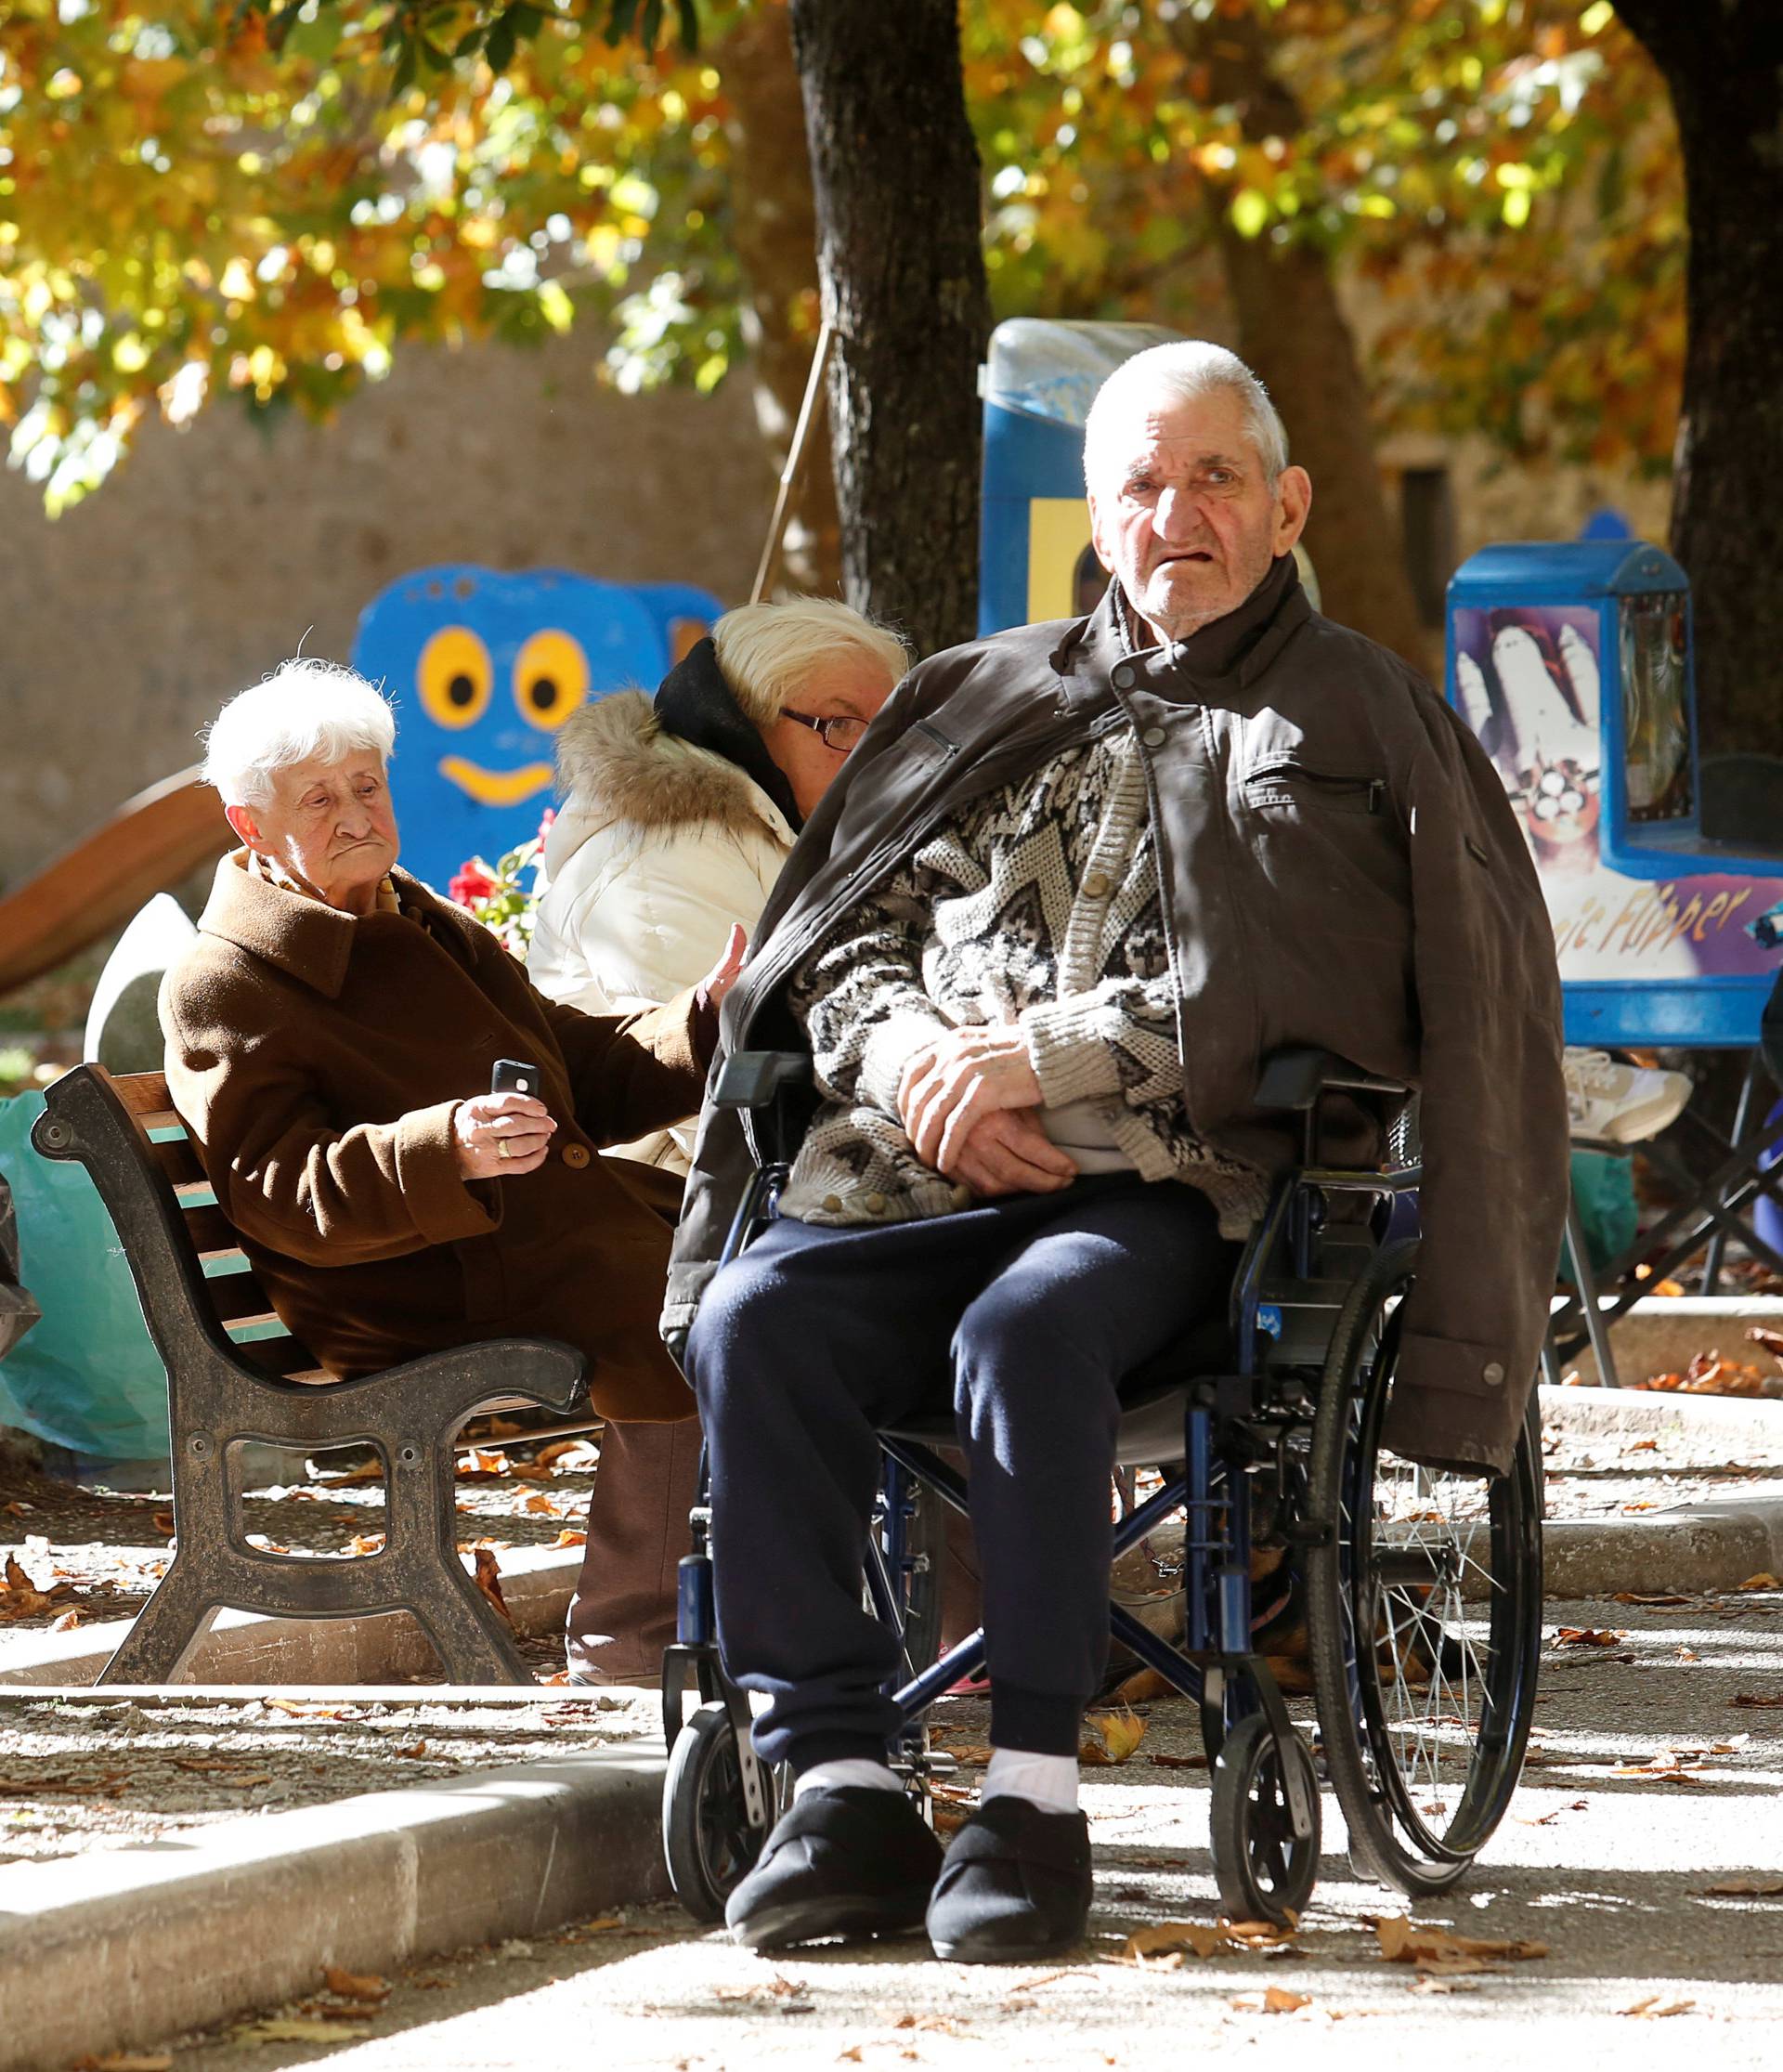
(501, 1149)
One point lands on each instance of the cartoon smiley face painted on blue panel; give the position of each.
(484, 668)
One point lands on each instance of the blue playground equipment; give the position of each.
(484, 668)
(1572, 662)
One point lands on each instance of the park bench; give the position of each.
(236, 1377)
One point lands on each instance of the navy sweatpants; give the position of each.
(1030, 1310)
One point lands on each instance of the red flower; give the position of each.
(470, 883)
(544, 825)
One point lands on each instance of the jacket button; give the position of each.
(1095, 886)
(1122, 676)
(1153, 738)
(876, 1204)
(832, 1205)
(1492, 1372)
(577, 1155)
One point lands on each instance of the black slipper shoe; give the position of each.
(837, 1864)
(1015, 1885)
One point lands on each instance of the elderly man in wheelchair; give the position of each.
(1053, 1126)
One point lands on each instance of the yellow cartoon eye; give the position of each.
(550, 678)
(454, 676)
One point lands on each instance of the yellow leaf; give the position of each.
(1110, 1737)
(302, 2028)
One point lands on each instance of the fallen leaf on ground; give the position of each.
(1752, 1698)
(125, 2061)
(1273, 2000)
(488, 1578)
(1651, 1597)
(1547, 1819)
(571, 1536)
(1656, 2007)
(66, 1623)
(367, 1471)
(942, 2024)
(1169, 1939)
(297, 1708)
(1404, 1941)
(1443, 1982)
(362, 1544)
(162, 1523)
(1642, 1446)
(1745, 1889)
(1764, 1580)
(302, 2028)
(567, 1454)
(480, 1463)
(413, 1753)
(1180, 1761)
(354, 1985)
(528, 1471)
(1587, 1637)
(1110, 1738)
(790, 1993)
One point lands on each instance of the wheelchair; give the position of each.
(1422, 1588)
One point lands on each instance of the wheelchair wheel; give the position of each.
(1263, 1870)
(1424, 1610)
(707, 1837)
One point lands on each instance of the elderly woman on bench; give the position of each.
(330, 1040)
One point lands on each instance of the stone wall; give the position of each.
(215, 550)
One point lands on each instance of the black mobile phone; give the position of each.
(510, 1076)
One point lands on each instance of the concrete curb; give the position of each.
(1699, 1546)
(1661, 1334)
(122, 1949)
(248, 1648)
(1741, 1423)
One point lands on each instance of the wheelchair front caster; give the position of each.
(707, 1837)
(1264, 1871)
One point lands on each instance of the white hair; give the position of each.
(306, 710)
(1182, 371)
(766, 651)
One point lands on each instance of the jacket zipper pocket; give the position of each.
(1331, 781)
(949, 749)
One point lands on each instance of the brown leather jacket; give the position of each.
(318, 1059)
(1340, 867)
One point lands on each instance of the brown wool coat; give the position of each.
(317, 1060)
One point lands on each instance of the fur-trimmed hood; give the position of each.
(615, 764)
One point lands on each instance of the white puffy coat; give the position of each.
(659, 846)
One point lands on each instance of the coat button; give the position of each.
(1095, 886)
(1122, 676)
(577, 1155)
(1153, 738)
(832, 1205)
(1492, 1372)
(876, 1204)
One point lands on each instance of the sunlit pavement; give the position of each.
(1609, 1871)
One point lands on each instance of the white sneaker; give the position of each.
(1620, 1103)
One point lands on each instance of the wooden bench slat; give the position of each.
(178, 1159)
(210, 1230)
(239, 1298)
(144, 1093)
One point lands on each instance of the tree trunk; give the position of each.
(775, 228)
(1294, 335)
(895, 172)
(1723, 65)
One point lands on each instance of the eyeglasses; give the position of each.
(840, 733)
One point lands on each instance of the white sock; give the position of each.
(1048, 1781)
(857, 1772)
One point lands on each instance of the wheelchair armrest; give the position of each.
(1294, 1077)
(753, 1078)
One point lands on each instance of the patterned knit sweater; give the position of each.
(1038, 904)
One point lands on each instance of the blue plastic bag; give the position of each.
(86, 1377)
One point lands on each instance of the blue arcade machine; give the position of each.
(1035, 561)
(1572, 663)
